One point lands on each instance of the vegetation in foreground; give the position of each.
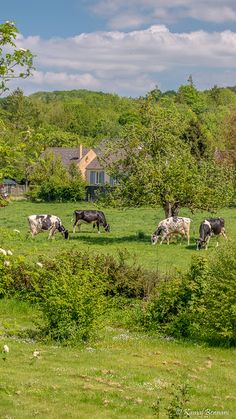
(123, 374)
(121, 318)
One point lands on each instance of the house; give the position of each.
(87, 161)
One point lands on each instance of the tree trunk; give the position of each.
(171, 209)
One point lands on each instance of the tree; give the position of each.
(155, 165)
(14, 62)
(51, 181)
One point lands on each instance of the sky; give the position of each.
(126, 47)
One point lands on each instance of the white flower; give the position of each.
(16, 231)
(10, 23)
(39, 264)
(22, 49)
(6, 349)
(3, 251)
(6, 263)
(9, 252)
(36, 354)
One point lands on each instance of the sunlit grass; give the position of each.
(130, 232)
(120, 375)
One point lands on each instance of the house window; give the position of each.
(97, 177)
(112, 181)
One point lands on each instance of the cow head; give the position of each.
(107, 228)
(154, 238)
(66, 234)
(63, 231)
(200, 243)
(157, 235)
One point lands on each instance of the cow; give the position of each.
(46, 222)
(208, 228)
(171, 226)
(90, 216)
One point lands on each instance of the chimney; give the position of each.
(80, 151)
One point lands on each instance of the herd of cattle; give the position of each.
(172, 226)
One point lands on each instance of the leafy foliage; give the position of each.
(200, 305)
(14, 62)
(50, 181)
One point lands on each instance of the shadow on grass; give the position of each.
(103, 239)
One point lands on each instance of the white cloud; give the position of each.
(128, 63)
(162, 11)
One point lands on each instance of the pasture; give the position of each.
(122, 373)
(130, 232)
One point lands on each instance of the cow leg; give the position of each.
(188, 237)
(224, 234)
(52, 231)
(78, 225)
(97, 222)
(74, 226)
(207, 242)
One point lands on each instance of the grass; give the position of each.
(130, 232)
(121, 375)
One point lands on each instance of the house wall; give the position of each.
(86, 160)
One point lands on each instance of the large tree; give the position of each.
(156, 163)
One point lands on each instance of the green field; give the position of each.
(122, 373)
(130, 231)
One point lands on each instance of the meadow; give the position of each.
(131, 229)
(122, 373)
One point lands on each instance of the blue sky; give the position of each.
(126, 46)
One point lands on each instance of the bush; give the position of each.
(199, 305)
(215, 317)
(74, 290)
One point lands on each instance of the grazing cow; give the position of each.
(208, 228)
(46, 222)
(90, 216)
(172, 226)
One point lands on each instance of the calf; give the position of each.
(208, 228)
(171, 226)
(90, 216)
(46, 222)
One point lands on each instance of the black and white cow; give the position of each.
(171, 226)
(90, 216)
(208, 228)
(46, 222)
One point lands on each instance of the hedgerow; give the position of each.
(76, 290)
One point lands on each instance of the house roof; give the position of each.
(68, 155)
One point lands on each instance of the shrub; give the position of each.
(75, 289)
(215, 317)
(199, 305)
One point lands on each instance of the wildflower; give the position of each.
(3, 251)
(22, 49)
(10, 23)
(36, 354)
(6, 263)
(39, 264)
(6, 349)
(9, 252)
(16, 231)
